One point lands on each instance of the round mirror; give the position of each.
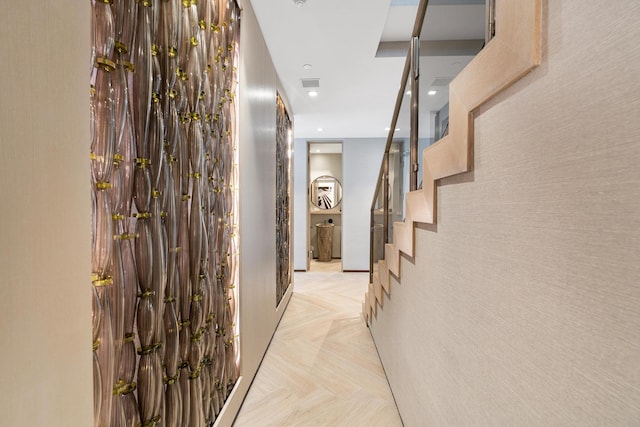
(326, 192)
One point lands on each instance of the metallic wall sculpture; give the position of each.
(164, 172)
(283, 200)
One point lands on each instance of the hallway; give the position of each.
(321, 368)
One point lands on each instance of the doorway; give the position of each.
(324, 206)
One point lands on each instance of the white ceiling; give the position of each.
(339, 38)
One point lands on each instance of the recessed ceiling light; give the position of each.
(313, 93)
(387, 128)
(320, 129)
(299, 3)
(432, 92)
(317, 150)
(408, 92)
(307, 66)
(397, 129)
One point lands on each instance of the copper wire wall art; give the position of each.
(283, 200)
(164, 247)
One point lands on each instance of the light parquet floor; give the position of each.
(321, 368)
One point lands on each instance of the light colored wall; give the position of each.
(523, 305)
(361, 164)
(45, 214)
(300, 204)
(257, 182)
(325, 164)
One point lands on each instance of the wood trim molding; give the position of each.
(383, 276)
(510, 55)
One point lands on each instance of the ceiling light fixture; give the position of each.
(432, 92)
(313, 93)
(320, 129)
(299, 3)
(408, 92)
(307, 66)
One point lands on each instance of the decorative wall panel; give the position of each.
(283, 200)
(164, 171)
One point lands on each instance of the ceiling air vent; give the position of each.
(310, 83)
(441, 82)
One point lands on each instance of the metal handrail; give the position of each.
(383, 175)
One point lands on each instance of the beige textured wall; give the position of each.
(523, 304)
(45, 214)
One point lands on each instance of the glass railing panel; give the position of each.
(433, 114)
(399, 164)
(421, 112)
(398, 181)
(442, 57)
(378, 238)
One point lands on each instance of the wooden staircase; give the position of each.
(509, 56)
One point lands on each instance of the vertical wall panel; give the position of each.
(257, 182)
(361, 163)
(257, 159)
(45, 285)
(300, 203)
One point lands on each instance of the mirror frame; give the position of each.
(313, 192)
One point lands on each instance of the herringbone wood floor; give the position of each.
(321, 368)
